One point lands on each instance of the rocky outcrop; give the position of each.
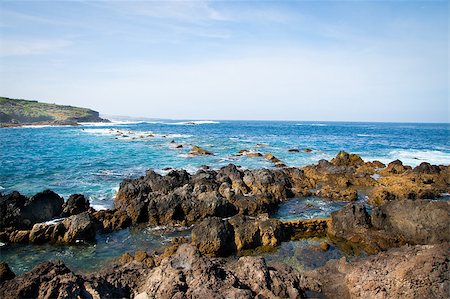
(408, 272)
(20, 212)
(242, 234)
(76, 204)
(391, 225)
(55, 280)
(399, 183)
(74, 229)
(418, 221)
(47, 280)
(109, 220)
(189, 274)
(181, 198)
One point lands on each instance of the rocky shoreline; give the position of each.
(230, 209)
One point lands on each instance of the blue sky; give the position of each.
(284, 60)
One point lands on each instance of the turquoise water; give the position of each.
(89, 257)
(93, 160)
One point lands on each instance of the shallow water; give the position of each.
(304, 254)
(307, 208)
(89, 257)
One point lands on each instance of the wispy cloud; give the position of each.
(15, 47)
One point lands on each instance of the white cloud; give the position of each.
(15, 47)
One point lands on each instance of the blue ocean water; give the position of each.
(93, 159)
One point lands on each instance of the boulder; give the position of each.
(271, 158)
(47, 280)
(76, 204)
(20, 212)
(196, 151)
(395, 167)
(68, 231)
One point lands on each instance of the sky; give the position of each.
(254, 60)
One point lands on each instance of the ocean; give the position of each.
(93, 159)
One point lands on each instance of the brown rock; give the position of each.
(196, 150)
(406, 272)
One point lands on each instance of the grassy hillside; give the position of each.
(15, 111)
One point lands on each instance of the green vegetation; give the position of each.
(17, 111)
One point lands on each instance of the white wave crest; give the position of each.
(194, 122)
(415, 157)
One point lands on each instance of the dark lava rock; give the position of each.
(20, 212)
(214, 236)
(427, 168)
(76, 204)
(5, 272)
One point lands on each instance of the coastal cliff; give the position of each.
(16, 112)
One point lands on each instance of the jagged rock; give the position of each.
(406, 272)
(422, 184)
(346, 159)
(20, 212)
(351, 228)
(348, 194)
(217, 237)
(76, 204)
(427, 168)
(109, 220)
(189, 274)
(395, 167)
(5, 273)
(47, 280)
